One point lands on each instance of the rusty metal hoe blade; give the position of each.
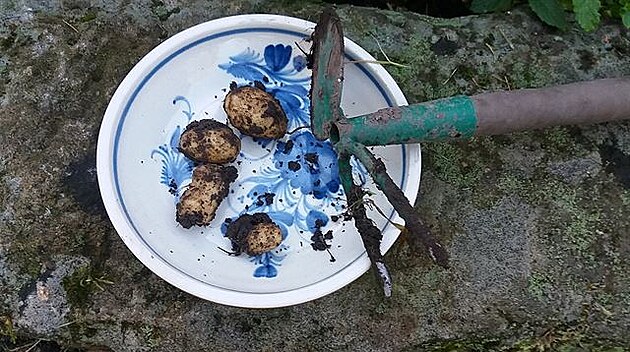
(327, 65)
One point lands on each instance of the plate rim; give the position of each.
(126, 231)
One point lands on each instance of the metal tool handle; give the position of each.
(462, 117)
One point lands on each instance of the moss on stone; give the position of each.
(452, 163)
(561, 338)
(418, 78)
(82, 284)
(81, 330)
(472, 345)
(470, 166)
(526, 74)
(559, 142)
(162, 11)
(574, 218)
(447, 161)
(90, 15)
(24, 253)
(538, 285)
(511, 184)
(76, 288)
(151, 336)
(567, 339)
(305, 9)
(6, 329)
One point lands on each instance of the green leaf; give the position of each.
(624, 13)
(550, 12)
(587, 13)
(482, 6)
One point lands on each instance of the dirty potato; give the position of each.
(255, 112)
(254, 234)
(209, 141)
(263, 238)
(210, 185)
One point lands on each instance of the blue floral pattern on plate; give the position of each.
(301, 183)
(176, 168)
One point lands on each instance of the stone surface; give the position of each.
(536, 222)
(45, 308)
(576, 170)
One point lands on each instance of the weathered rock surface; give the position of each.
(537, 222)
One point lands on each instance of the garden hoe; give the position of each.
(455, 118)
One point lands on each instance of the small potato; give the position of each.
(210, 185)
(263, 238)
(254, 234)
(209, 141)
(255, 112)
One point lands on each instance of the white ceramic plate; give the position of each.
(141, 174)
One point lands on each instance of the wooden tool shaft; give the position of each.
(570, 104)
